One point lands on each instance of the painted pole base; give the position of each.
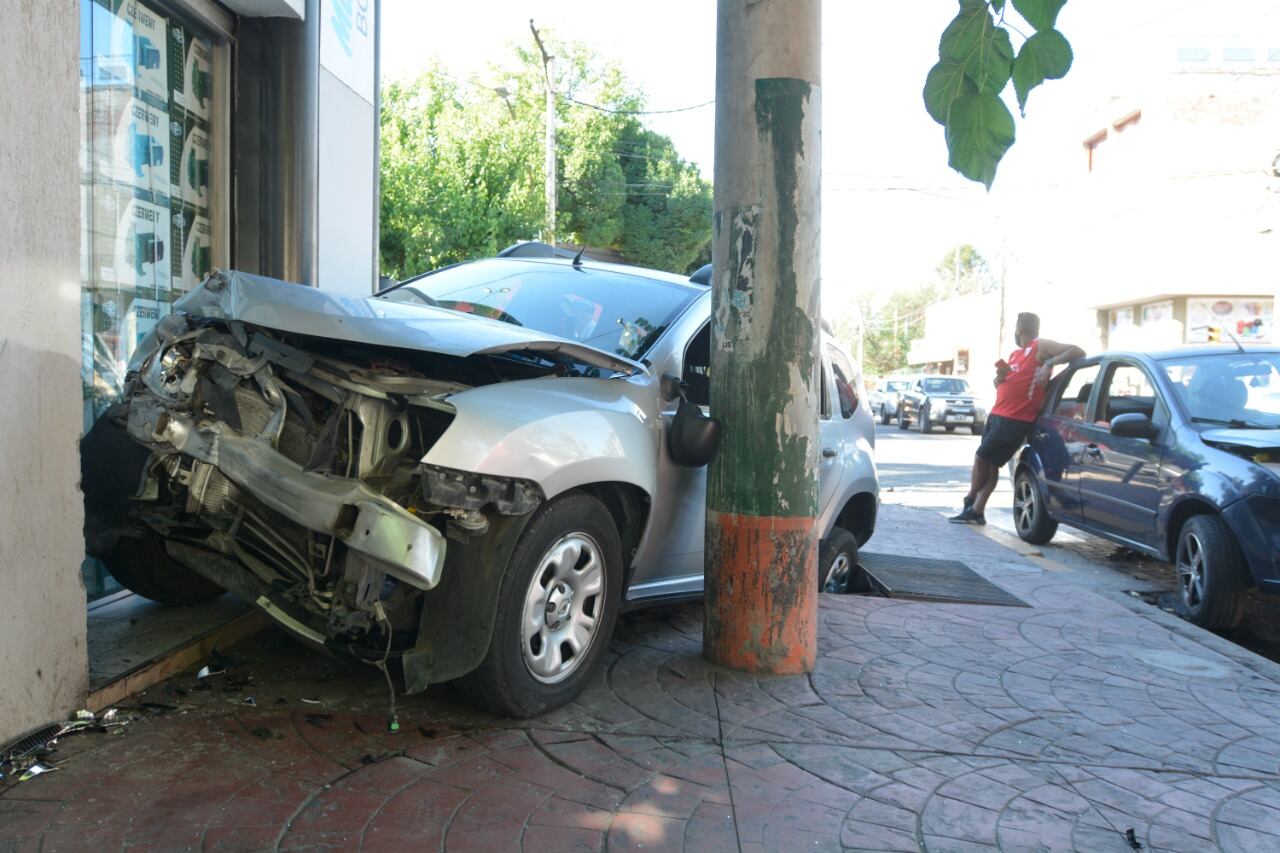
(762, 604)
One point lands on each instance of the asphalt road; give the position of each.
(932, 472)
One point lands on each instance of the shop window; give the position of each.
(146, 178)
(1238, 54)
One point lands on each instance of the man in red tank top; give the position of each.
(1020, 384)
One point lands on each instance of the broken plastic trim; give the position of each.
(473, 492)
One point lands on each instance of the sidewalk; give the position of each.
(945, 727)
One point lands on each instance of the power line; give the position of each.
(639, 112)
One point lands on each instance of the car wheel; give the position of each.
(903, 423)
(1030, 516)
(950, 429)
(977, 429)
(884, 416)
(926, 423)
(556, 610)
(143, 566)
(1212, 573)
(837, 561)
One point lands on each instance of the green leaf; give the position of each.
(984, 50)
(997, 6)
(945, 83)
(979, 132)
(1044, 56)
(1041, 14)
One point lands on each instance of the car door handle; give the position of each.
(829, 452)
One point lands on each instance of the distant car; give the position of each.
(884, 400)
(946, 401)
(469, 474)
(1175, 455)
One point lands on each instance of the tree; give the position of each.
(462, 167)
(976, 61)
(963, 270)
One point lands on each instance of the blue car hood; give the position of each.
(1259, 439)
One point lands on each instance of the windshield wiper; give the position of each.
(1234, 423)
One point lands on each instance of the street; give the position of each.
(932, 472)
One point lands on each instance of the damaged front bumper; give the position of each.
(367, 522)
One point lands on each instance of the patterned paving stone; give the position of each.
(923, 727)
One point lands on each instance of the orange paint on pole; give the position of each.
(755, 561)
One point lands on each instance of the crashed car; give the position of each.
(467, 475)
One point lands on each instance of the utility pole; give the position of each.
(549, 168)
(762, 487)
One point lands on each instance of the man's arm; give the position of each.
(1050, 354)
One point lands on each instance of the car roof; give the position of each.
(568, 266)
(1189, 351)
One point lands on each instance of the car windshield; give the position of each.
(898, 385)
(616, 312)
(946, 386)
(1231, 389)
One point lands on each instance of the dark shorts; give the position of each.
(1003, 438)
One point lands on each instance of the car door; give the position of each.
(838, 403)
(1120, 477)
(1058, 440)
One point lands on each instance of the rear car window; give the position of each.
(1073, 402)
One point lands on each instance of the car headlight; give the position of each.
(939, 406)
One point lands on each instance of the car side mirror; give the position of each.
(693, 438)
(1133, 425)
(672, 387)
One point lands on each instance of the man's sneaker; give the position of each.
(968, 516)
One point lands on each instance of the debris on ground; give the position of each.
(27, 757)
(310, 701)
(208, 672)
(1122, 553)
(1131, 837)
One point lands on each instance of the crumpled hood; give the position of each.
(297, 309)
(1259, 439)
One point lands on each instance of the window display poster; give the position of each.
(191, 171)
(133, 139)
(149, 48)
(1249, 319)
(193, 80)
(1157, 312)
(132, 242)
(191, 232)
(1121, 318)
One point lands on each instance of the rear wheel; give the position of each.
(556, 610)
(1212, 573)
(903, 423)
(1030, 516)
(143, 566)
(837, 561)
(885, 416)
(977, 429)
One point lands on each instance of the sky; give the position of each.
(891, 208)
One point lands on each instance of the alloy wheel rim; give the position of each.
(1024, 505)
(1191, 569)
(562, 608)
(837, 577)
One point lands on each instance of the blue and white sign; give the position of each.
(347, 43)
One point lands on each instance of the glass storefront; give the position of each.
(147, 174)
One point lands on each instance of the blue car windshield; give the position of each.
(1230, 388)
(618, 312)
(946, 386)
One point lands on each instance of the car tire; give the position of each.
(977, 429)
(1212, 573)
(903, 423)
(552, 563)
(884, 416)
(1030, 516)
(144, 567)
(837, 561)
(950, 429)
(926, 423)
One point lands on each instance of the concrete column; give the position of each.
(762, 489)
(43, 661)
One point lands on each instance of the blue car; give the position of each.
(1173, 454)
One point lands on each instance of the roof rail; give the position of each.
(702, 276)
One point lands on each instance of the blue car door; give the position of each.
(1120, 477)
(1057, 440)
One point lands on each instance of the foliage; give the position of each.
(462, 168)
(976, 61)
(963, 270)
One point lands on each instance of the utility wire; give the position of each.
(639, 112)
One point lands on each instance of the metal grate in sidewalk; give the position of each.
(900, 576)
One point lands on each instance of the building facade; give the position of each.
(170, 138)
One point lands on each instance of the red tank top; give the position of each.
(1011, 395)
